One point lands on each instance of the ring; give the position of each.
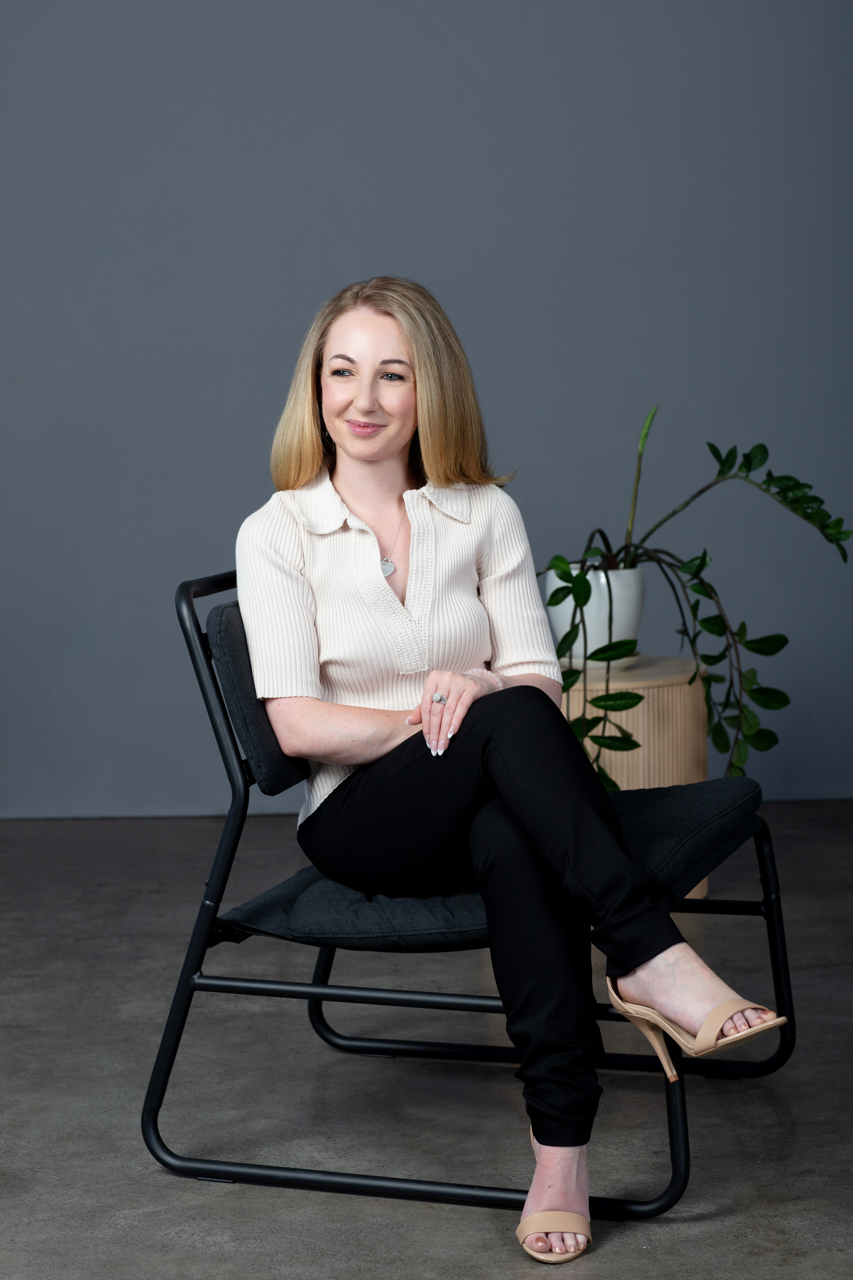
(438, 697)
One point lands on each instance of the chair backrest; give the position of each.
(274, 771)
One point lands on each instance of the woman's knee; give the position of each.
(524, 706)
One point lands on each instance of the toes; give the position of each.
(743, 1021)
(539, 1243)
(555, 1240)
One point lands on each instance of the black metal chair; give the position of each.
(679, 834)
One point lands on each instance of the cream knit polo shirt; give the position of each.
(322, 622)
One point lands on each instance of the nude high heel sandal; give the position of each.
(654, 1024)
(556, 1220)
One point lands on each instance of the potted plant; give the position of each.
(591, 590)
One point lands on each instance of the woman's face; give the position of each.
(367, 387)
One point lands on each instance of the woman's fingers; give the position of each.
(441, 720)
(454, 715)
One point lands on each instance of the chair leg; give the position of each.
(202, 936)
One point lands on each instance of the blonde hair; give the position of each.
(449, 445)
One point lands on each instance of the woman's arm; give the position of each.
(333, 733)
(337, 734)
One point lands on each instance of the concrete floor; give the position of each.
(97, 916)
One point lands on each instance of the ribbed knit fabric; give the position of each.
(322, 622)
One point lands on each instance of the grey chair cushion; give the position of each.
(309, 908)
(678, 834)
(273, 770)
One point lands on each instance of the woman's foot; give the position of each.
(678, 984)
(561, 1181)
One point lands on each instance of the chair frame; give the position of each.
(208, 932)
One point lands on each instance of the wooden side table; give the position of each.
(670, 724)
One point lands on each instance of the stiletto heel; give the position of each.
(654, 1024)
(656, 1039)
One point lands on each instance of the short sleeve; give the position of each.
(277, 604)
(521, 637)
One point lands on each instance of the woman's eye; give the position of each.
(398, 377)
(339, 373)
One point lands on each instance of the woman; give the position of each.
(400, 644)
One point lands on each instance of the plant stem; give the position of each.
(712, 485)
(641, 449)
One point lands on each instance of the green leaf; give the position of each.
(758, 455)
(715, 453)
(763, 739)
(644, 434)
(606, 780)
(732, 721)
(571, 677)
(711, 659)
(614, 743)
(582, 588)
(581, 726)
(795, 493)
(769, 699)
(713, 624)
(701, 590)
(766, 645)
(728, 462)
(734, 772)
(695, 566)
(819, 517)
(712, 679)
(740, 634)
(558, 596)
(749, 677)
(568, 640)
(720, 738)
(784, 482)
(620, 701)
(749, 720)
(560, 565)
(740, 755)
(613, 652)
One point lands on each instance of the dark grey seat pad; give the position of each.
(678, 834)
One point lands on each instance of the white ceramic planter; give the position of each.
(628, 588)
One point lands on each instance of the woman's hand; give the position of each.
(441, 720)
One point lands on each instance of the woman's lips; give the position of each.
(363, 428)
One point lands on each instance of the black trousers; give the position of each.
(514, 809)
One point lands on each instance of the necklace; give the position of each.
(386, 564)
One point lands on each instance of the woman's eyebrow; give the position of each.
(339, 356)
(392, 361)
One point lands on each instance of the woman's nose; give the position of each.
(366, 399)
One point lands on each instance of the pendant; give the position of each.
(387, 566)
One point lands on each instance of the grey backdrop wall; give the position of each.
(619, 204)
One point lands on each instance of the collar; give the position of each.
(322, 510)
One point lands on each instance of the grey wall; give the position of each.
(619, 204)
